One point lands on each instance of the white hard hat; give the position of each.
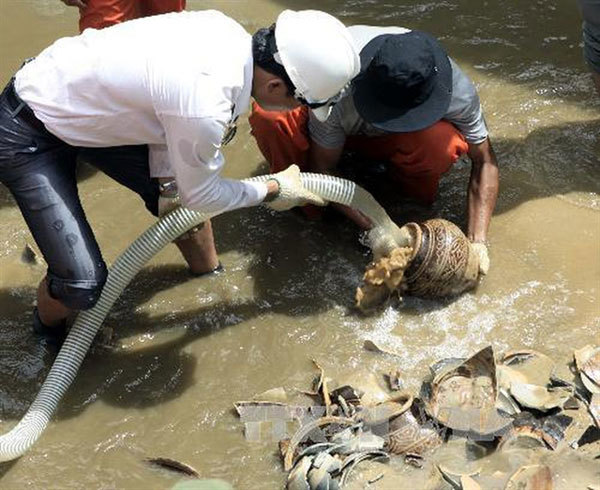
(318, 55)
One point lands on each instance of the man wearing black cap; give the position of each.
(410, 106)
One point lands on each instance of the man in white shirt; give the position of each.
(412, 108)
(157, 97)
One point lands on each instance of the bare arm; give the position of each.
(324, 161)
(483, 190)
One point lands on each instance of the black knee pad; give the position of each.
(77, 294)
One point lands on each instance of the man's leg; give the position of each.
(418, 158)
(128, 165)
(39, 171)
(51, 311)
(199, 250)
(424, 156)
(45, 190)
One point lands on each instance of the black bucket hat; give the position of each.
(405, 83)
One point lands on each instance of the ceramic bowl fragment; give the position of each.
(539, 397)
(587, 360)
(531, 477)
(383, 412)
(463, 398)
(413, 433)
(298, 477)
(524, 366)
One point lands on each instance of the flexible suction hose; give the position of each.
(16, 442)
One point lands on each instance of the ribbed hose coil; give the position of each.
(68, 361)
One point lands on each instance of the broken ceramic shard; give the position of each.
(383, 412)
(463, 398)
(531, 477)
(539, 397)
(172, 465)
(524, 366)
(413, 433)
(587, 361)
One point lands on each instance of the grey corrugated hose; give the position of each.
(16, 442)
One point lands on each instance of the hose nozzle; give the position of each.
(385, 238)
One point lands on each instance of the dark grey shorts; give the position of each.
(40, 171)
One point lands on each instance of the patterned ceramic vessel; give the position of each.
(443, 264)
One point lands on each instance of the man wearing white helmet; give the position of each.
(149, 99)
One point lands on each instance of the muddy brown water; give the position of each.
(186, 349)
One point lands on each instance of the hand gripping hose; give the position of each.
(68, 361)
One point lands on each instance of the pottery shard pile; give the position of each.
(519, 400)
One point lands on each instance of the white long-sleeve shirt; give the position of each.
(176, 80)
